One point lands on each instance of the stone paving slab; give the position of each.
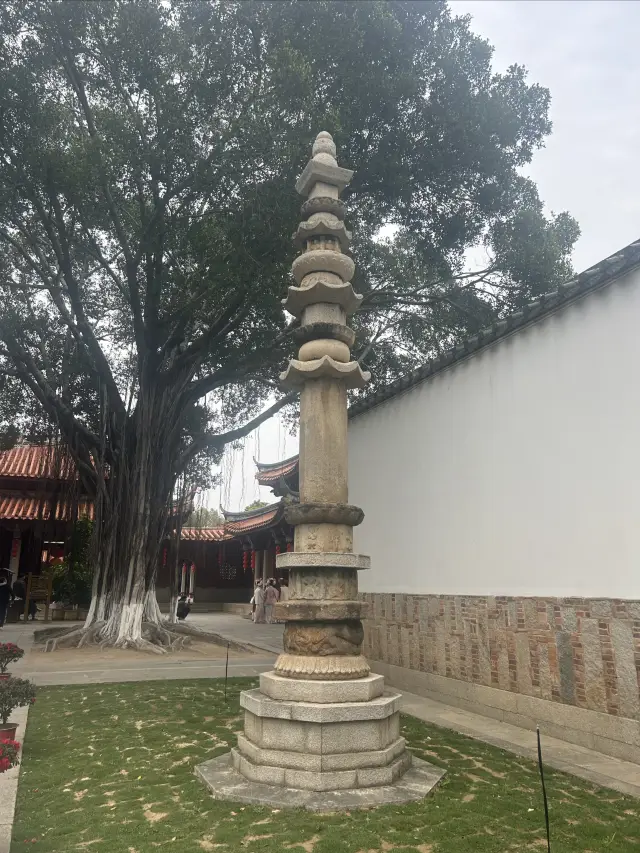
(9, 785)
(155, 670)
(241, 630)
(602, 770)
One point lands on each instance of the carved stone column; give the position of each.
(323, 634)
(322, 728)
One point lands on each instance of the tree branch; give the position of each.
(217, 442)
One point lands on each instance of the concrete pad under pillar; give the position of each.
(226, 783)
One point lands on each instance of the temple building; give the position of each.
(220, 565)
(40, 498)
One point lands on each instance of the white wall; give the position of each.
(515, 472)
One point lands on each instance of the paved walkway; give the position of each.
(241, 630)
(9, 785)
(90, 667)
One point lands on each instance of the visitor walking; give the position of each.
(253, 602)
(258, 596)
(271, 596)
(6, 595)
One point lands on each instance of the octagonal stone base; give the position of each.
(329, 742)
(226, 783)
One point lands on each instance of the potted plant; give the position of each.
(14, 693)
(9, 653)
(9, 752)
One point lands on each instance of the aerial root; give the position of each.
(75, 638)
(155, 637)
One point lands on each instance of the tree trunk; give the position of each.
(131, 524)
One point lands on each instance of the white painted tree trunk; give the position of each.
(131, 524)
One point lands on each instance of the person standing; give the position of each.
(253, 600)
(258, 615)
(284, 590)
(270, 599)
(184, 607)
(6, 596)
(20, 594)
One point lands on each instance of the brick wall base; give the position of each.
(581, 653)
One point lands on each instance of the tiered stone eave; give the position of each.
(323, 292)
(299, 372)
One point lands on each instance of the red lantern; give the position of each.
(289, 547)
(253, 560)
(278, 549)
(245, 560)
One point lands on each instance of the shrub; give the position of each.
(14, 693)
(9, 751)
(73, 578)
(9, 653)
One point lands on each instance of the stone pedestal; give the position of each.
(322, 745)
(321, 731)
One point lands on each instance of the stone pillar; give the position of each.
(321, 727)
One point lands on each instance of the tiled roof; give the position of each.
(14, 507)
(270, 473)
(203, 534)
(237, 523)
(602, 274)
(35, 462)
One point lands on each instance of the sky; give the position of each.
(586, 53)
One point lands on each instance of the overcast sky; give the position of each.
(586, 53)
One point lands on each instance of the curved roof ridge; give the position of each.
(250, 513)
(268, 466)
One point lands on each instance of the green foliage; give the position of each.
(14, 693)
(141, 741)
(72, 579)
(255, 505)
(150, 153)
(204, 517)
(149, 156)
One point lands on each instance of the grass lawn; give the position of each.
(109, 769)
